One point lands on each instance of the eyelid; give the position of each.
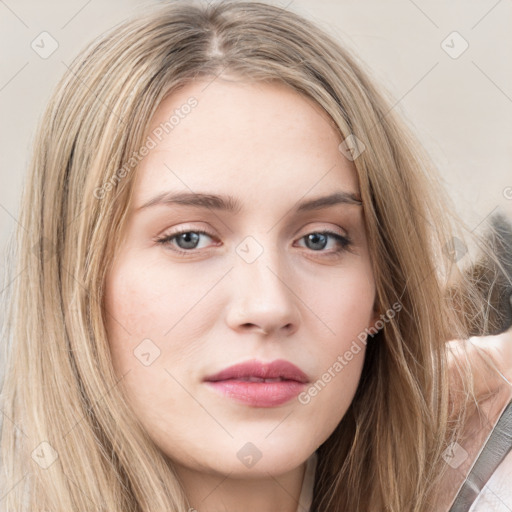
(171, 234)
(189, 228)
(344, 241)
(185, 227)
(321, 227)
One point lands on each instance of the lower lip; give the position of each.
(259, 394)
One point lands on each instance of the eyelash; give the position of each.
(344, 242)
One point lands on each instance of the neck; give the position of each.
(216, 492)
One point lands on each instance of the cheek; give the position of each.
(145, 302)
(134, 323)
(343, 305)
(340, 354)
(329, 396)
(138, 317)
(155, 325)
(343, 312)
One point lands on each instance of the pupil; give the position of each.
(314, 237)
(185, 237)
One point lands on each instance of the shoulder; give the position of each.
(490, 360)
(496, 494)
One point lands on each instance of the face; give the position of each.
(197, 287)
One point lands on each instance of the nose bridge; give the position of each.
(259, 263)
(262, 296)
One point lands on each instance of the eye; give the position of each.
(318, 240)
(185, 242)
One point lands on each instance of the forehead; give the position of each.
(257, 141)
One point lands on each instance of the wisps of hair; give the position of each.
(60, 396)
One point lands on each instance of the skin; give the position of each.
(269, 147)
(490, 360)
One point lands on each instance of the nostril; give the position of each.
(254, 326)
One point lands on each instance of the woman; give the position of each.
(221, 198)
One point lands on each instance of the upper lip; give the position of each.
(275, 369)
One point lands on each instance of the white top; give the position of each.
(306, 493)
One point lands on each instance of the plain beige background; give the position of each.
(458, 99)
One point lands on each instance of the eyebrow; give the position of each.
(232, 205)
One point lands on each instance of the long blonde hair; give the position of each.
(69, 440)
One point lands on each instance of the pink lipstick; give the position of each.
(260, 384)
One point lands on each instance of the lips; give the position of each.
(258, 384)
(256, 371)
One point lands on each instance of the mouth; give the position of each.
(258, 384)
(254, 379)
(257, 371)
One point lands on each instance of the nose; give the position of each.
(262, 300)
